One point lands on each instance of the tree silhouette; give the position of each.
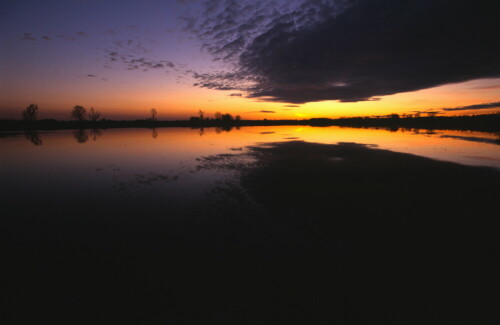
(153, 114)
(201, 115)
(78, 113)
(218, 115)
(30, 113)
(93, 115)
(227, 117)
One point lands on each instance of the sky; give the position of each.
(258, 59)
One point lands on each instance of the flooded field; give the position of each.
(270, 225)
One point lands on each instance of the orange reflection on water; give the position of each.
(171, 145)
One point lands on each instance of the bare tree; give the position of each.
(30, 113)
(218, 115)
(153, 114)
(201, 115)
(93, 115)
(78, 113)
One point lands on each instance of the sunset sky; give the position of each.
(259, 59)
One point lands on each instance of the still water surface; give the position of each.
(166, 161)
(257, 225)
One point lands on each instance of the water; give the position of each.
(109, 162)
(280, 224)
(163, 165)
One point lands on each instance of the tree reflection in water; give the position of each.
(34, 137)
(95, 133)
(81, 135)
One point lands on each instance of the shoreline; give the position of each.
(481, 123)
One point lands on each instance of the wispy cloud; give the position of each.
(82, 34)
(28, 37)
(133, 62)
(66, 37)
(263, 111)
(492, 87)
(472, 107)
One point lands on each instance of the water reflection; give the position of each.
(237, 226)
(217, 129)
(33, 137)
(220, 129)
(154, 133)
(81, 135)
(473, 139)
(467, 147)
(95, 134)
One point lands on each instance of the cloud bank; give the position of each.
(347, 50)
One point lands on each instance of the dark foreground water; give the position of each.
(261, 225)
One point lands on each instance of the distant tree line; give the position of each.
(218, 116)
(431, 120)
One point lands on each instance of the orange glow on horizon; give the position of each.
(130, 102)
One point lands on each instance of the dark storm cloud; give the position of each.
(470, 107)
(346, 50)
